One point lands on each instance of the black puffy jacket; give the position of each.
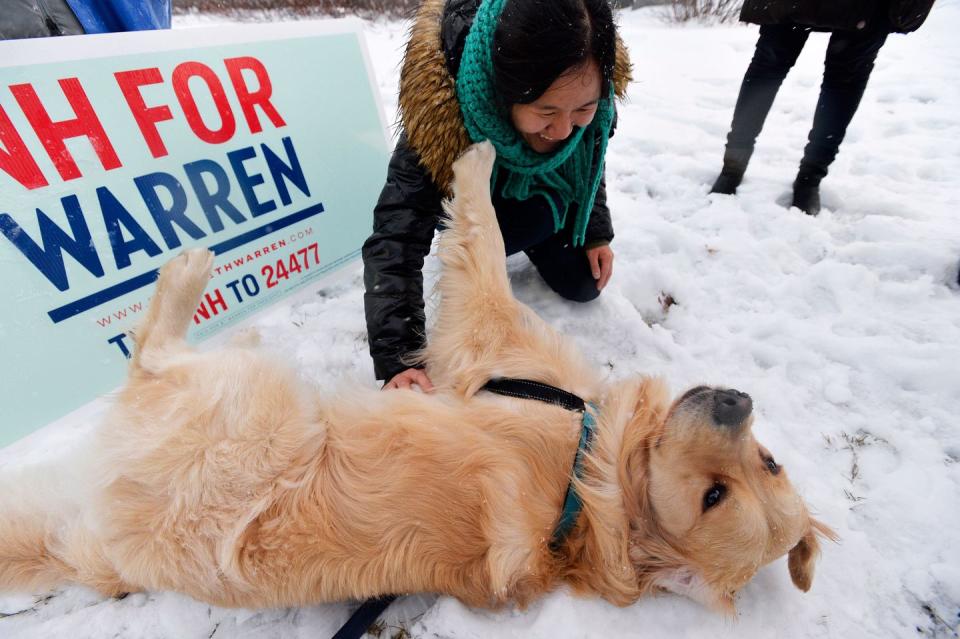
(409, 207)
(37, 19)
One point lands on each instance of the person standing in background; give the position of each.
(858, 29)
(43, 18)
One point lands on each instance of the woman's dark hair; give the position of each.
(537, 40)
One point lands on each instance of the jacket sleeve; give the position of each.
(404, 221)
(599, 227)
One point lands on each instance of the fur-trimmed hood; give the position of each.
(429, 109)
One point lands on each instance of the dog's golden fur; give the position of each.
(224, 477)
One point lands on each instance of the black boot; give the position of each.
(806, 193)
(777, 50)
(727, 182)
(734, 166)
(849, 61)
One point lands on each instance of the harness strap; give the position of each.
(529, 389)
(572, 502)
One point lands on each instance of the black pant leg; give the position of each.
(528, 226)
(776, 52)
(523, 223)
(847, 67)
(565, 268)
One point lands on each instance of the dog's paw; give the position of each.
(474, 167)
(471, 207)
(188, 273)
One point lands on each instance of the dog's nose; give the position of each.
(731, 407)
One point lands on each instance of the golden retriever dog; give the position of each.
(223, 476)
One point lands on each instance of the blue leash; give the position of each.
(364, 617)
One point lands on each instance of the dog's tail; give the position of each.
(44, 541)
(33, 514)
(28, 561)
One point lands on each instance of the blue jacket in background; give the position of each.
(105, 16)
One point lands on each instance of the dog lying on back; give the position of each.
(223, 476)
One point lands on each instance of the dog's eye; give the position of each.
(713, 496)
(772, 465)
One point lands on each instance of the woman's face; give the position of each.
(570, 101)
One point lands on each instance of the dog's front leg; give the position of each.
(478, 315)
(482, 331)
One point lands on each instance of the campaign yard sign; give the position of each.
(266, 144)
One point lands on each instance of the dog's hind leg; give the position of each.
(174, 302)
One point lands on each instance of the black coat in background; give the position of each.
(37, 19)
(839, 15)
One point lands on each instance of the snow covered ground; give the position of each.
(845, 329)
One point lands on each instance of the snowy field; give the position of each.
(844, 328)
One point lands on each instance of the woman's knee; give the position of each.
(564, 268)
(586, 292)
(573, 287)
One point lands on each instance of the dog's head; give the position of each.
(714, 503)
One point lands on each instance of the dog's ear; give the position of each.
(802, 558)
(688, 582)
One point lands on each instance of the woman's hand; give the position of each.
(408, 378)
(601, 264)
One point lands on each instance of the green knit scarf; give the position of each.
(570, 174)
